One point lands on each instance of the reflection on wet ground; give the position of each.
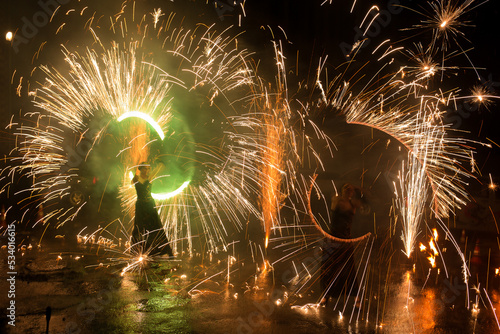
(225, 295)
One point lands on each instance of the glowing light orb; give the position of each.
(9, 36)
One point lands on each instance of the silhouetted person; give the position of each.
(338, 270)
(148, 230)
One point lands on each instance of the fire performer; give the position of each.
(148, 230)
(338, 276)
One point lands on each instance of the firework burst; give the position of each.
(402, 104)
(90, 97)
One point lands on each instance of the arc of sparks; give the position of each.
(326, 234)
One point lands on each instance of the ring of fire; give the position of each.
(161, 134)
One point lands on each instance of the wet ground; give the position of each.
(83, 291)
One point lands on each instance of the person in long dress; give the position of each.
(339, 273)
(148, 233)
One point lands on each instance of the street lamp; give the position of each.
(9, 36)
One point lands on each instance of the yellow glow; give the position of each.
(422, 247)
(444, 24)
(9, 36)
(432, 260)
(492, 185)
(435, 233)
(433, 247)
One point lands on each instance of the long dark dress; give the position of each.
(148, 233)
(338, 274)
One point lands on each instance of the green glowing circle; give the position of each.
(137, 114)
